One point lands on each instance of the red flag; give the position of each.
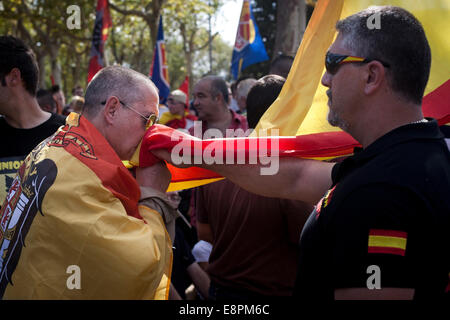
(99, 36)
(185, 88)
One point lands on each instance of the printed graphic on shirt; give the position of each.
(8, 170)
(324, 201)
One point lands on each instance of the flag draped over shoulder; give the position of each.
(99, 36)
(159, 72)
(301, 109)
(73, 204)
(248, 47)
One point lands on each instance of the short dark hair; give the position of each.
(45, 100)
(262, 94)
(400, 42)
(218, 86)
(15, 54)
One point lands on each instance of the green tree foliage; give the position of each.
(63, 54)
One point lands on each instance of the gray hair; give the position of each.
(244, 87)
(119, 81)
(218, 86)
(399, 41)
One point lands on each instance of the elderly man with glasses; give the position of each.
(380, 225)
(76, 223)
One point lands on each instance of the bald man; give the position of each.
(72, 223)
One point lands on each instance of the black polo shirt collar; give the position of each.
(405, 133)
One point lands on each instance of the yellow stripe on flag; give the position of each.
(182, 185)
(385, 241)
(294, 102)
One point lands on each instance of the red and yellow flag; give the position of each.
(301, 108)
(387, 241)
(74, 206)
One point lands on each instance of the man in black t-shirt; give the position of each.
(380, 226)
(23, 124)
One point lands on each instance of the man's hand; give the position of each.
(157, 176)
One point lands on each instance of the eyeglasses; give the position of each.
(333, 61)
(149, 121)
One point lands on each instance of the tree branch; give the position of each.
(207, 42)
(128, 12)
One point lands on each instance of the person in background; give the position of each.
(59, 97)
(76, 105)
(178, 116)
(23, 124)
(241, 94)
(46, 100)
(254, 238)
(281, 65)
(78, 91)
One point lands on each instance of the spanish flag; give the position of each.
(301, 108)
(71, 226)
(387, 241)
(100, 35)
(300, 111)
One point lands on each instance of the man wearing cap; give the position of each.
(178, 116)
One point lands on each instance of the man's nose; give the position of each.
(195, 101)
(326, 79)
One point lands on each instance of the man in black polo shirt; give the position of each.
(23, 124)
(380, 226)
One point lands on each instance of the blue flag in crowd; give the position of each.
(248, 48)
(159, 72)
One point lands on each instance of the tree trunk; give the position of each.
(188, 56)
(76, 71)
(55, 65)
(291, 24)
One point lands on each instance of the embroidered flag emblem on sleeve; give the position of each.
(387, 241)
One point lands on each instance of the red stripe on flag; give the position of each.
(388, 233)
(387, 250)
(190, 174)
(436, 104)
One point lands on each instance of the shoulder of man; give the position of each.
(57, 119)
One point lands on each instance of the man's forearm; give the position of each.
(298, 179)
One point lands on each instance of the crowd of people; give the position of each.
(311, 231)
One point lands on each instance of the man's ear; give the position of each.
(13, 78)
(374, 77)
(111, 110)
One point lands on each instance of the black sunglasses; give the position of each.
(333, 61)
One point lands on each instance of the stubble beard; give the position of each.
(335, 120)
